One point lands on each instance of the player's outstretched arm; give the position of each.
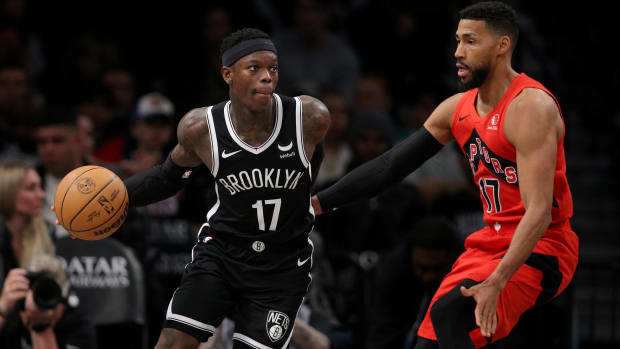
(164, 180)
(392, 166)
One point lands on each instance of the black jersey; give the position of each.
(263, 193)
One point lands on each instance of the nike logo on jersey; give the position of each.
(227, 155)
(286, 147)
(464, 117)
(300, 262)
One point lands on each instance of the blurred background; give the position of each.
(121, 74)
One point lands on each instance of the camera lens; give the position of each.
(45, 290)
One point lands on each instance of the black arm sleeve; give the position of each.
(157, 183)
(391, 167)
(317, 159)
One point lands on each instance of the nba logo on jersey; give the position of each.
(494, 122)
(277, 325)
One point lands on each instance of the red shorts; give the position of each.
(483, 252)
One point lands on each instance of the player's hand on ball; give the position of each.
(485, 295)
(58, 222)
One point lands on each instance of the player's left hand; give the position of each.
(58, 222)
(485, 294)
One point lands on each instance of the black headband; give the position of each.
(246, 47)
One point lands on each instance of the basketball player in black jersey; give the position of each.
(253, 256)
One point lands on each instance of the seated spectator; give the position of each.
(59, 148)
(18, 104)
(110, 105)
(405, 280)
(153, 126)
(337, 150)
(26, 244)
(372, 92)
(312, 58)
(23, 232)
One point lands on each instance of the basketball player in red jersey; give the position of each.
(511, 130)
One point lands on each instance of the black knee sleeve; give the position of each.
(453, 318)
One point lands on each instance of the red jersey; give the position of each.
(493, 159)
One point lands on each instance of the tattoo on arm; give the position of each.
(193, 136)
(316, 120)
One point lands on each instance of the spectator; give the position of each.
(110, 106)
(312, 58)
(405, 280)
(23, 232)
(121, 87)
(338, 153)
(197, 79)
(38, 320)
(372, 92)
(18, 105)
(59, 147)
(18, 42)
(152, 131)
(86, 131)
(81, 70)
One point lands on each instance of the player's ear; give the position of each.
(227, 74)
(504, 44)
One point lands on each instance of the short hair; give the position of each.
(499, 17)
(57, 117)
(241, 35)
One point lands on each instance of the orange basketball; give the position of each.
(91, 202)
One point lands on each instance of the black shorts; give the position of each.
(260, 291)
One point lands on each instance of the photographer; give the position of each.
(42, 316)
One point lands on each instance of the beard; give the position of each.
(477, 78)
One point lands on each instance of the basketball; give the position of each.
(91, 202)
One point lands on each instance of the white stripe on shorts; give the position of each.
(187, 321)
(249, 341)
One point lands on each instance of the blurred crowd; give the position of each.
(106, 83)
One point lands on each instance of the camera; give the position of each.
(45, 290)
